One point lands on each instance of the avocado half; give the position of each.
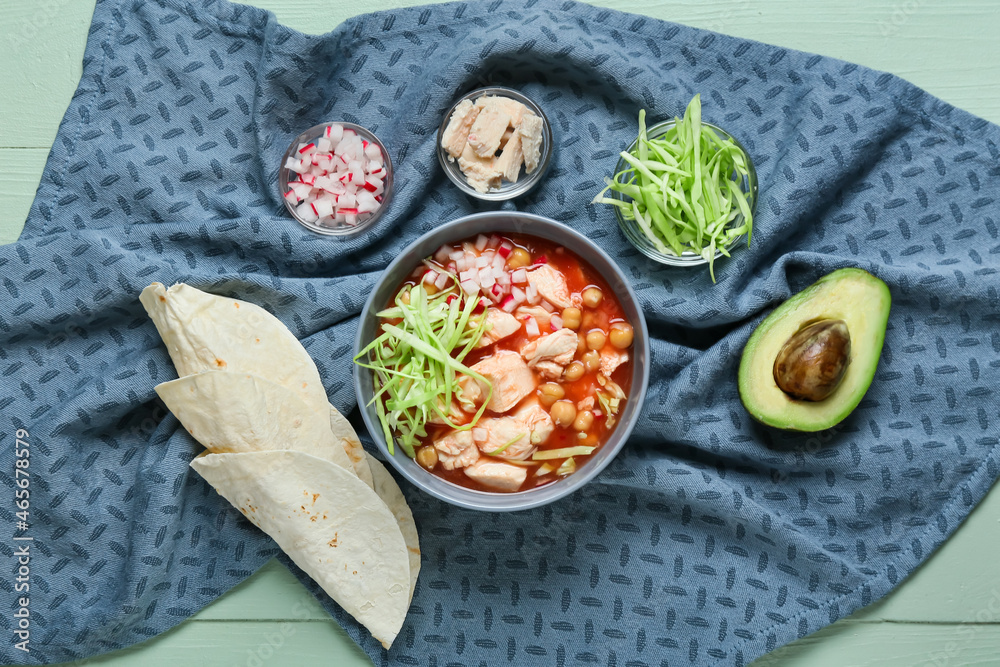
(855, 296)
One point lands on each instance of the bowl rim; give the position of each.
(507, 190)
(689, 257)
(531, 225)
(344, 232)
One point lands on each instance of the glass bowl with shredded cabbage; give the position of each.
(684, 192)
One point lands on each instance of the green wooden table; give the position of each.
(947, 613)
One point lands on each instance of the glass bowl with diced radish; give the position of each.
(495, 143)
(336, 179)
(501, 361)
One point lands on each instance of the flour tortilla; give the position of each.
(239, 412)
(388, 491)
(207, 332)
(335, 528)
(344, 432)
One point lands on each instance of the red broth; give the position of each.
(579, 276)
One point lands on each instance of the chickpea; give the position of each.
(430, 288)
(592, 297)
(584, 420)
(591, 360)
(621, 335)
(581, 343)
(518, 257)
(550, 392)
(596, 339)
(404, 298)
(571, 318)
(563, 413)
(574, 371)
(427, 457)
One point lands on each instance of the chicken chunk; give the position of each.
(512, 379)
(487, 131)
(517, 435)
(479, 171)
(558, 347)
(530, 129)
(456, 134)
(549, 370)
(551, 284)
(456, 450)
(514, 109)
(511, 157)
(612, 360)
(542, 316)
(497, 474)
(501, 325)
(455, 414)
(585, 403)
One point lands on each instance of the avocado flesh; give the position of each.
(852, 295)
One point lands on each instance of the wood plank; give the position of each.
(273, 593)
(20, 171)
(938, 45)
(260, 643)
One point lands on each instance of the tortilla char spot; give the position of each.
(333, 542)
(315, 496)
(163, 298)
(220, 363)
(236, 304)
(313, 518)
(257, 340)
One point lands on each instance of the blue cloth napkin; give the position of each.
(710, 540)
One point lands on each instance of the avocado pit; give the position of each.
(813, 361)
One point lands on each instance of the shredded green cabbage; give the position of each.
(683, 188)
(417, 362)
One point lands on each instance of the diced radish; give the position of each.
(372, 152)
(334, 133)
(508, 304)
(308, 179)
(532, 293)
(519, 276)
(323, 207)
(441, 281)
(292, 197)
(298, 166)
(541, 259)
(504, 250)
(548, 306)
(518, 295)
(430, 277)
(324, 145)
(482, 261)
(305, 211)
(481, 242)
(470, 287)
(451, 297)
(442, 254)
(531, 326)
(493, 242)
(556, 322)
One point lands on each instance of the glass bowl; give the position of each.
(507, 190)
(342, 230)
(633, 232)
(503, 222)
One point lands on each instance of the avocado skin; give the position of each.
(854, 295)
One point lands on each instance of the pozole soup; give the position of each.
(501, 363)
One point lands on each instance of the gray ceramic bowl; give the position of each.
(513, 223)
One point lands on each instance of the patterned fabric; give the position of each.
(710, 540)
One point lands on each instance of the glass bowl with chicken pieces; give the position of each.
(495, 143)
